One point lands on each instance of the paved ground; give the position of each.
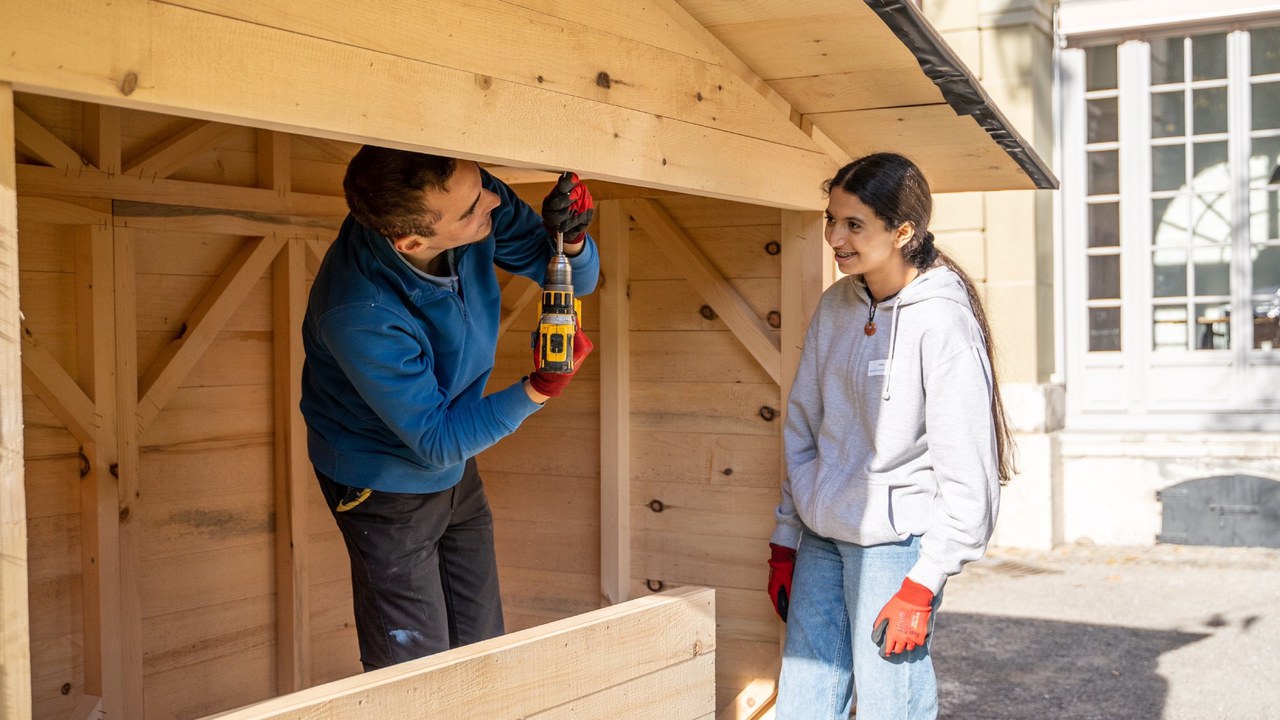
(1093, 633)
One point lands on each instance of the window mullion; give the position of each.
(1134, 70)
(1238, 118)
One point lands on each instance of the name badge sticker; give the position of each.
(875, 367)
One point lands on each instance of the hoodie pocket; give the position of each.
(850, 509)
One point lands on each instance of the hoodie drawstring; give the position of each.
(893, 343)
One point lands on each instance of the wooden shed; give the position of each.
(164, 551)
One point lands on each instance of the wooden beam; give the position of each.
(521, 176)
(316, 250)
(44, 144)
(293, 476)
(677, 131)
(179, 219)
(126, 657)
(43, 181)
(275, 167)
(58, 390)
(99, 487)
(750, 330)
(100, 126)
(15, 623)
(516, 296)
(170, 155)
(674, 83)
(615, 403)
(59, 211)
(602, 664)
(173, 363)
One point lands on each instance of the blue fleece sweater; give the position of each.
(396, 366)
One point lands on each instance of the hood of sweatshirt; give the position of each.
(939, 283)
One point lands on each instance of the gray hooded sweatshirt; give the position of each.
(891, 435)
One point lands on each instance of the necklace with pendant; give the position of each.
(870, 328)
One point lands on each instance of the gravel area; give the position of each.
(1090, 632)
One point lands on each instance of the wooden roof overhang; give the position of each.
(755, 101)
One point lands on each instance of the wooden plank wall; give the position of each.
(705, 441)
(706, 433)
(197, 515)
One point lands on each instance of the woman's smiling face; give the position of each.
(862, 243)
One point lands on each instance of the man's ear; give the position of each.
(407, 244)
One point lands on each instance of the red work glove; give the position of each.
(782, 564)
(903, 624)
(568, 209)
(552, 384)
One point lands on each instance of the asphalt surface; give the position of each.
(1092, 633)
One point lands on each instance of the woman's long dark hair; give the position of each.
(895, 189)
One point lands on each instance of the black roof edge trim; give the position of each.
(958, 87)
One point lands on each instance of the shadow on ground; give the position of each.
(1001, 668)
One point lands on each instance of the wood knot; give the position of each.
(129, 84)
(484, 82)
(603, 80)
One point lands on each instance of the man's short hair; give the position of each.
(385, 187)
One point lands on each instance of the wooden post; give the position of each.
(807, 270)
(127, 657)
(292, 472)
(615, 404)
(15, 630)
(101, 129)
(99, 489)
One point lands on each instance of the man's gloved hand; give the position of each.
(782, 564)
(568, 209)
(552, 384)
(903, 624)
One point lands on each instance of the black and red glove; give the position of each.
(782, 565)
(552, 384)
(903, 624)
(568, 209)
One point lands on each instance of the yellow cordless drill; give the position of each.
(559, 316)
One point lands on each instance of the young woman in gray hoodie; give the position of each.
(896, 446)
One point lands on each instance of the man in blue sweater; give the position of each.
(400, 334)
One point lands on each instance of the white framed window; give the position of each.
(1171, 245)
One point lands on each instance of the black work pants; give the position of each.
(424, 577)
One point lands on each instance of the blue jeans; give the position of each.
(837, 592)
